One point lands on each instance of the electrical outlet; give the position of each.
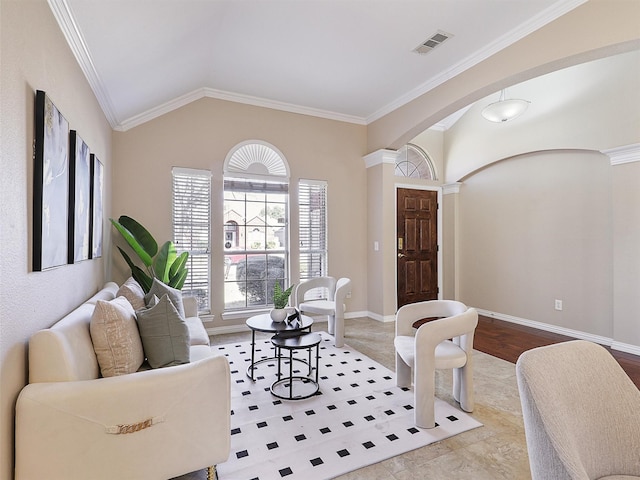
(558, 304)
(348, 294)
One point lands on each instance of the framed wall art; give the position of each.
(50, 185)
(79, 199)
(97, 188)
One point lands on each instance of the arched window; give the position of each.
(256, 235)
(412, 161)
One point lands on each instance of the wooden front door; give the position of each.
(417, 245)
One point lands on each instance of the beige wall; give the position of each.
(201, 134)
(35, 55)
(536, 228)
(626, 252)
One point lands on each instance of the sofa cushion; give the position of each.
(164, 333)
(159, 289)
(133, 292)
(197, 333)
(115, 337)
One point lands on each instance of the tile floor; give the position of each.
(496, 451)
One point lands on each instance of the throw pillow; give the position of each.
(115, 337)
(164, 333)
(159, 289)
(133, 292)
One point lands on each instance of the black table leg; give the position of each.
(253, 352)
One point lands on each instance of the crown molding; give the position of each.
(552, 13)
(624, 154)
(67, 23)
(76, 42)
(231, 97)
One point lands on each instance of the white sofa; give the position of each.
(152, 424)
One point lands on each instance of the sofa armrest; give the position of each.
(155, 424)
(190, 305)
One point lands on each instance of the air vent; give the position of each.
(432, 42)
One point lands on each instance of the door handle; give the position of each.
(400, 255)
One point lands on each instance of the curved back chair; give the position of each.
(333, 306)
(581, 413)
(444, 343)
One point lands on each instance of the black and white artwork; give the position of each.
(97, 188)
(50, 186)
(79, 199)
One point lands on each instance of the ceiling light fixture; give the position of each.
(504, 109)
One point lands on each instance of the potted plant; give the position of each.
(280, 298)
(162, 263)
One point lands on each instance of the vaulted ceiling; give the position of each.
(351, 60)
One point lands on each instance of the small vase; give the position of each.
(278, 314)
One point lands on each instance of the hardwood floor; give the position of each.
(507, 341)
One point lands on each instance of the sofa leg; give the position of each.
(211, 473)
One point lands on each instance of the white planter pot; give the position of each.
(278, 314)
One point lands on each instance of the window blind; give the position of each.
(312, 198)
(192, 229)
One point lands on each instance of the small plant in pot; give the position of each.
(280, 300)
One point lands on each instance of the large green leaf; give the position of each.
(143, 255)
(163, 261)
(141, 234)
(178, 280)
(178, 264)
(142, 278)
(137, 273)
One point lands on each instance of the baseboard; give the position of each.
(626, 347)
(378, 317)
(623, 347)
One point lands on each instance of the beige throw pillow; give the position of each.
(115, 337)
(133, 292)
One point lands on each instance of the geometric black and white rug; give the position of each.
(359, 417)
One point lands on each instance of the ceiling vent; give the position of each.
(432, 42)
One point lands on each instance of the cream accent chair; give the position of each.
(429, 348)
(333, 306)
(581, 413)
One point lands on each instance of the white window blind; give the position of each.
(312, 198)
(192, 229)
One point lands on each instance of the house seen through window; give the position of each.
(255, 233)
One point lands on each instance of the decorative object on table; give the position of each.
(50, 186)
(163, 264)
(280, 299)
(294, 318)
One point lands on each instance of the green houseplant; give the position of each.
(280, 299)
(162, 263)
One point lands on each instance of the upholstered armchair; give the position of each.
(445, 342)
(581, 413)
(333, 305)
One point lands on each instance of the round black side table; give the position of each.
(263, 323)
(306, 385)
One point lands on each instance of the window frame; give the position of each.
(318, 242)
(188, 233)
